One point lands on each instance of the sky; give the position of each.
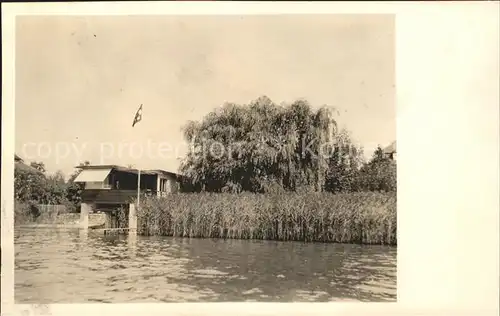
(80, 80)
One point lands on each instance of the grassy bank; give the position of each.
(365, 218)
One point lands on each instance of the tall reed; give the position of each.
(364, 218)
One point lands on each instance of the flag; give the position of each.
(138, 116)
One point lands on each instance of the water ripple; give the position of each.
(66, 266)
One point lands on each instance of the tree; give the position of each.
(56, 189)
(378, 155)
(29, 185)
(32, 187)
(74, 189)
(380, 174)
(40, 166)
(344, 164)
(261, 146)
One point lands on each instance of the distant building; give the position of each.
(19, 163)
(390, 151)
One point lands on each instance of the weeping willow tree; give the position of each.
(262, 147)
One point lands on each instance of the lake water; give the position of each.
(71, 266)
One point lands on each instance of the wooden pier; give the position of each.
(116, 231)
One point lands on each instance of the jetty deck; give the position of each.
(115, 231)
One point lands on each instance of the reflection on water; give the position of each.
(72, 266)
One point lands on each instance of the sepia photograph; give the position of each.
(205, 159)
(250, 158)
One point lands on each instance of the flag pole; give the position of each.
(137, 119)
(138, 187)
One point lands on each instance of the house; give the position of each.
(109, 187)
(390, 151)
(21, 165)
(111, 184)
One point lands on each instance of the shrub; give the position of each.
(25, 212)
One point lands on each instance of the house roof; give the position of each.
(128, 170)
(19, 163)
(157, 171)
(391, 148)
(93, 167)
(22, 166)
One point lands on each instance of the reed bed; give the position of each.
(362, 218)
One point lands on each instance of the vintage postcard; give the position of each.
(213, 157)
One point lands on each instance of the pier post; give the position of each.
(132, 244)
(132, 218)
(109, 220)
(83, 234)
(85, 209)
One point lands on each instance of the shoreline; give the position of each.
(97, 229)
(46, 226)
(355, 218)
(69, 226)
